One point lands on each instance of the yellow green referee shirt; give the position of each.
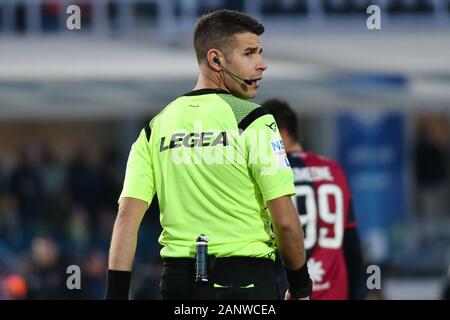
(214, 161)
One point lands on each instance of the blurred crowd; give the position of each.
(54, 214)
(50, 10)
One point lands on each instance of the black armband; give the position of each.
(117, 285)
(300, 284)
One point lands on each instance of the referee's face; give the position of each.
(246, 62)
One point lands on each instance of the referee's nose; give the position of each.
(262, 65)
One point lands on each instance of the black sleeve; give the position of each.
(354, 261)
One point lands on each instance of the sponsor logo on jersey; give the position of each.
(277, 147)
(317, 273)
(272, 126)
(193, 140)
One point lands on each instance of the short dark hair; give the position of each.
(283, 114)
(216, 29)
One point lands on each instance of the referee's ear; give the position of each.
(212, 56)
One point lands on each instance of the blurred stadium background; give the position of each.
(72, 102)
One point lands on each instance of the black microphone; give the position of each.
(246, 81)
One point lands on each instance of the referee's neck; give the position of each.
(208, 81)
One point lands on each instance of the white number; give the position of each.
(337, 219)
(309, 218)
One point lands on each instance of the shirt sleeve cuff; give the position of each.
(142, 197)
(277, 193)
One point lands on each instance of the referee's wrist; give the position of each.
(300, 284)
(117, 285)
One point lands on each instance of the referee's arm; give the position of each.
(271, 170)
(123, 247)
(137, 193)
(288, 232)
(289, 239)
(124, 236)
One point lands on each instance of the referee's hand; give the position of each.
(288, 296)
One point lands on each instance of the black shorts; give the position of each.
(235, 278)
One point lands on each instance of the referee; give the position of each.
(218, 166)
